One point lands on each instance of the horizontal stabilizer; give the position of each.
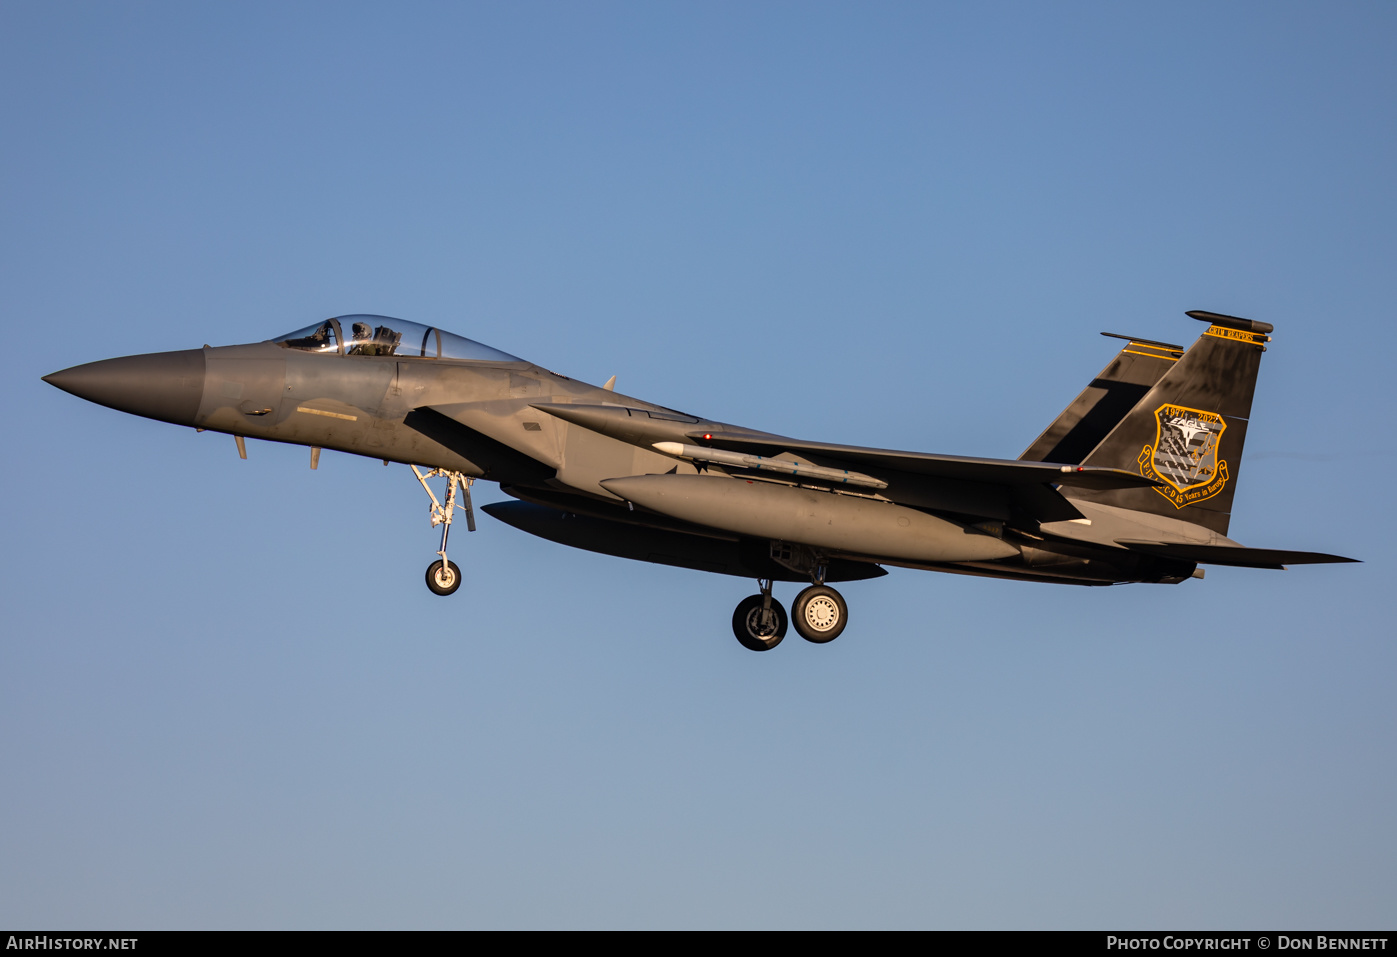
(1232, 554)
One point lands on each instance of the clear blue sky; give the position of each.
(227, 698)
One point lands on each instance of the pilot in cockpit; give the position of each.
(368, 341)
(321, 336)
(365, 335)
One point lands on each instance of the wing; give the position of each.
(648, 427)
(959, 468)
(993, 489)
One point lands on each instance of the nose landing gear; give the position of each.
(444, 576)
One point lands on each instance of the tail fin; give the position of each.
(1188, 430)
(1102, 404)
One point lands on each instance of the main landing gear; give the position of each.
(819, 615)
(759, 621)
(444, 576)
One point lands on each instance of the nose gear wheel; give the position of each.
(443, 580)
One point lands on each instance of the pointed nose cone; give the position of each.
(162, 385)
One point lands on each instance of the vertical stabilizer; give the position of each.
(1104, 402)
(1189, 429)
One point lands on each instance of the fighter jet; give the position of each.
(1113, 491)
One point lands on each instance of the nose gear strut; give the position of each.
(444, 576)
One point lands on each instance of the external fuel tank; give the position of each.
(838, 524)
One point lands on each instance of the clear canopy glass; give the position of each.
(364, 335)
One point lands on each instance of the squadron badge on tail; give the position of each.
(1185, 454)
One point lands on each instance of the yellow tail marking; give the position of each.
(1222, 332)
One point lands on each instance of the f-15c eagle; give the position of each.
(1133, 482)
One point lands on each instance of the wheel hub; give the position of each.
(757, 627)
(821, 613)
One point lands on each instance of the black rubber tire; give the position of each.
(744, 624)
(819, 614)
(443, 584)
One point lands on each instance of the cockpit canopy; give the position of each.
(364, 335)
